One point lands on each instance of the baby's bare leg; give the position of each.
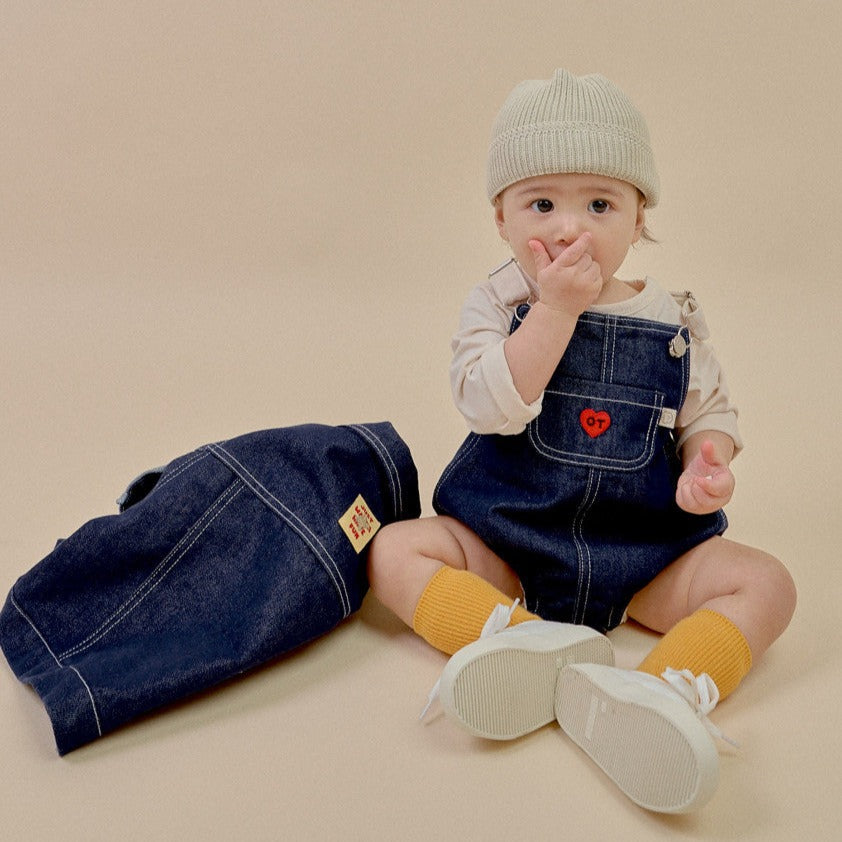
(404, 557)
(721, 606)
(748, 586)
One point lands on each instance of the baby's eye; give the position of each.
(542, 205)
(598, 206)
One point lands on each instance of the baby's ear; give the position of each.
(640, 222)
(499, 219)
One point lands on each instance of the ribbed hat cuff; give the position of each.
(581, 148)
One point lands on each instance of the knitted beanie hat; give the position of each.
(578, 124)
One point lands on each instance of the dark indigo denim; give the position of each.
(226, 558)
(586, 521)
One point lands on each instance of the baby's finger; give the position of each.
(540, 254)
(575, 250)
(706, 486)
(721, 484)
(715, 490)
(693, 498)
(708, 452)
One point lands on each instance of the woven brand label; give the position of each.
(359, 524)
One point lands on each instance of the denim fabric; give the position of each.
(582, 503)
(226, 558)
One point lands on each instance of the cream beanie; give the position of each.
(580, 124)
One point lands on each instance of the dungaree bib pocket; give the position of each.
(598, 425)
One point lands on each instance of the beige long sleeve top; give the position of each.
(482, 384)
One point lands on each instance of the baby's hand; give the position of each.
(571, 282)
(706, 484)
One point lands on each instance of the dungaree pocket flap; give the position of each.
(598, 425)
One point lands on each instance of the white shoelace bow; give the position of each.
(701, 693)
(498, 620)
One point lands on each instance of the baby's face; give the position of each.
(556, 209)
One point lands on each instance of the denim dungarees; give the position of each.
(224, 559)
(581, 504)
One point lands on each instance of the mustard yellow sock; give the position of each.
(454, 607)
(703, 642)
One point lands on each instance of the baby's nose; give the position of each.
(568, 229)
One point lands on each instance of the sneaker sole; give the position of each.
(657, 752)
(500, 689)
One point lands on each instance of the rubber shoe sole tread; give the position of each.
(654, 748)
(504, 686)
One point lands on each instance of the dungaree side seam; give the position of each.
(291, 519)
(583, 552)
(382, 452)
(43, 640)
(161, 571)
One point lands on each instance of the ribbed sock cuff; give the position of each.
(706, 641)
(454, 607)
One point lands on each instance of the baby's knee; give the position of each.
(787, 588)
(778, 586)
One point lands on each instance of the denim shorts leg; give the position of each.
(223, 560)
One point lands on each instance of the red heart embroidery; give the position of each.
(594, 423)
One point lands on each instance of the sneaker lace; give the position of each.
(498, 620)
(701, 693)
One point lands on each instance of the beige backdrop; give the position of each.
(218, 217)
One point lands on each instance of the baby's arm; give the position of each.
(706, 484)
(568, 286)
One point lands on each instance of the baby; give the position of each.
(592, 484)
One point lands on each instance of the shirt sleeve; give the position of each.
(481, 381)
(708, 405)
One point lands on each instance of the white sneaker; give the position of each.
(504, 684)
(650, 736)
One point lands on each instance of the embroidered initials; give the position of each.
(594, 423)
